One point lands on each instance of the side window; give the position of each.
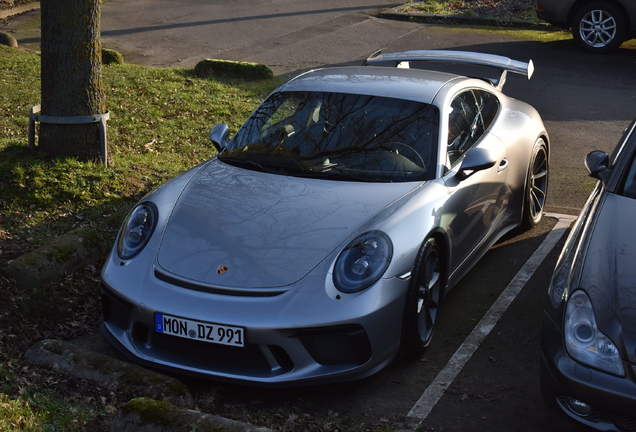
(472, 112)
(488, 105)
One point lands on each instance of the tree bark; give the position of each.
(71, 76)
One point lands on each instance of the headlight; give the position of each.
(137, 229)
(362, 262)
(583, 339)
(560, 278)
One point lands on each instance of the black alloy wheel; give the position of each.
(536, 190)
(424, 299)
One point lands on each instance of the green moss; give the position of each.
(177, 387)
(91, 238)
(33, 260)
(232, 69)
(55, 346)
(111, 56)
(132, 377)
(152, 411)
(90, 360)
(62, 253)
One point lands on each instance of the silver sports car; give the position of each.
(320, 242)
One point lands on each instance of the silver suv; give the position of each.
(597, 25)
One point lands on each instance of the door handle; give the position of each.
(502, 165)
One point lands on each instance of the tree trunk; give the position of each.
(71, 76)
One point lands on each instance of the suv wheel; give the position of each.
(599, 26)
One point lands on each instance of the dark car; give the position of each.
(597, 25)
(588, 342)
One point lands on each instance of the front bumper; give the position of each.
(611, 398)
(287, 342)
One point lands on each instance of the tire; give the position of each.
(599, 26)
(423, 299)
(536, 189)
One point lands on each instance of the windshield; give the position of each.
(339, 136)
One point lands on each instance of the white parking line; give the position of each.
(446, 376)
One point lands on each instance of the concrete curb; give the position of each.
(8, 13)
(109, 372)
(50, 262)
(148, 415)
(394, 14)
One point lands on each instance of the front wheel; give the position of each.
(536, 189)
(599, 26)
(423, 300)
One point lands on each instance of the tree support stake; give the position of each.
(101, 119)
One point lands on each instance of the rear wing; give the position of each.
(503, 64)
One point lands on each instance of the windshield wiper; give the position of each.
(331, 174)
(246, 163)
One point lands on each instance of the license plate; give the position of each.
(199, 330)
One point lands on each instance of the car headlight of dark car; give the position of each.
(137, 230)
(362, 262)
(584, 341)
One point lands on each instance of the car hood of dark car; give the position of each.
(609, 271)
(235, 227)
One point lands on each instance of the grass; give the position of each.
(160, 120)
(42, 412)
(30, 411)
(519, 34)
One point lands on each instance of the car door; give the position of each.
(476, 205)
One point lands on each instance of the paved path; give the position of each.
(162, 32)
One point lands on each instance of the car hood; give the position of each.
(609, 272)
(265, 230)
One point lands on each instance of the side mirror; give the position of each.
(218, 136)
(597, 164)
(476, 159)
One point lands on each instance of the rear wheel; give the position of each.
(599, 26)
(536, 189)
(423, 299)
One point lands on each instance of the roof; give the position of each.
(410, 84)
